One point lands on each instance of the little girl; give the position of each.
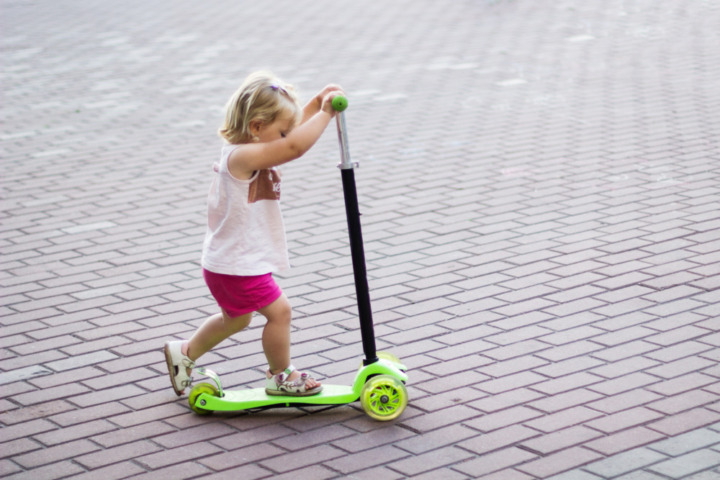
(264, 128)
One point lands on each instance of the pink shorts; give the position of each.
(240, 295)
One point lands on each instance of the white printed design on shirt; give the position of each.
(266, 186)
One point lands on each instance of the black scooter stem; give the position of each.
(358, 259)
(357, 251)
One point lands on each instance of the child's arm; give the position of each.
(250, 157)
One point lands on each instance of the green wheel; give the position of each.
(198, 390)
(384, 397)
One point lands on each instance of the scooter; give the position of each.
(380, 381)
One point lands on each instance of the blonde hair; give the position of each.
(262, 97)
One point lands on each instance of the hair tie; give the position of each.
(277, 87)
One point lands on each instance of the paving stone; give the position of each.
(575, 475)
(56, 470)
(54, 454)
(510, 382)
(68, 434)
(684, 401)
(503, 418)
(625, 440)
(494, 462)
(687, 442)
(431, 460)
(189, 470)
(558, 462)
(17, 447)
(7, 468)
(633, 381)
(436, 439)
(682, 384)
(112, 472)
(362, 460)
(555, 403)
(569, 352)
(208, 455)
(26, 429)
(441, 473)
(317, 472)
(625, 462)
(499, 439)
(686, 421)
(563, 419)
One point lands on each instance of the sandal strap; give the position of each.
(282, 383)
(284, 375)
(178, 363)
(187, 363)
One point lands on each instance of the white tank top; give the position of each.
(245, 234)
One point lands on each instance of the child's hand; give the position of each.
(328, 89)
(317, 103)
(327, 100)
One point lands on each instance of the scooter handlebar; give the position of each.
(339, 103)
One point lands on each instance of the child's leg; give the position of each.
(215, 329)
(276, 338)
(179, 354)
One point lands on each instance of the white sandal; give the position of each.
(177, 364)
(280, 385)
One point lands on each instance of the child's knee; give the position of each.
(280, 313)
(238, 323)
(283, 316)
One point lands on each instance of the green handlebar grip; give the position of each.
(339, 103)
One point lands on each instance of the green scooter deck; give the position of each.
(257, 398)
(235, 400)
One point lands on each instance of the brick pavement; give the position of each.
(540, 198)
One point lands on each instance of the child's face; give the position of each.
(282, 125)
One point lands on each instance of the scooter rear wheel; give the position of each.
(384, 398)
(198, 390)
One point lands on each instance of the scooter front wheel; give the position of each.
(197, 390)
(384, 397)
